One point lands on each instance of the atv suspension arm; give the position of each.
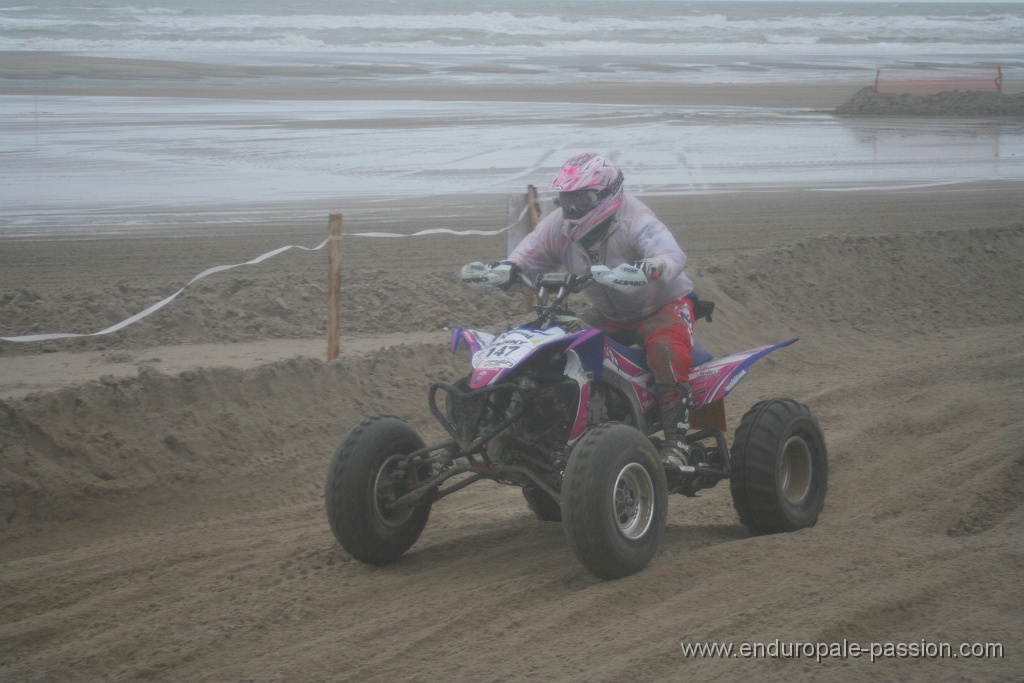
(432, 487)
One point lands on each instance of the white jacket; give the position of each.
(637, 235)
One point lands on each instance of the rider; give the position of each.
(598, 224)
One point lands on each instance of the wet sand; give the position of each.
(58, 74)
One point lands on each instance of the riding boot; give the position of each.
(674, 402)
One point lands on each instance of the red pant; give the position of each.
(667, 336)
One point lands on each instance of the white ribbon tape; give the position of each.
(219, 269)
(433, 231)
(163, 302)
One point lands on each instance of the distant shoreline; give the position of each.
(60, 74)
(57, 74)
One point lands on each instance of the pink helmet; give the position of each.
(589, 191)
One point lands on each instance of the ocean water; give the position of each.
(106, 163)
(605, 39)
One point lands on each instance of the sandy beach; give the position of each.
(161, 488)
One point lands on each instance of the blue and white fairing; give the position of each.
(494, 357)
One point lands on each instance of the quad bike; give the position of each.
(569, 415)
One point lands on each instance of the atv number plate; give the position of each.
(511, 347)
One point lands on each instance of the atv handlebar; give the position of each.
(504, 275)
(625, 278)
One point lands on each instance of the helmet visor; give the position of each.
(576, 205)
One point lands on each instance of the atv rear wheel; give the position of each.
(614, 501)
(779, 467)
(367, 473)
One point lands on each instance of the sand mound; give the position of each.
(867, 102)
(927, 281)
(289, 301)
(156, 434)
(243, 308)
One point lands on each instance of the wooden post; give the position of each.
(334, 287)
(534, 207)
(531, 199)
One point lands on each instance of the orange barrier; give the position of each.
(932, 81)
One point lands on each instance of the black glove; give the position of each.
(651, 269)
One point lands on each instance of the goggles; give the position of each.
(576, 205)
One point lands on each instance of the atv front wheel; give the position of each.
(614, 501)
(779, 467)
(367, 474)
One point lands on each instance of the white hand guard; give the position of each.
(624, 277)
(480, 276)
